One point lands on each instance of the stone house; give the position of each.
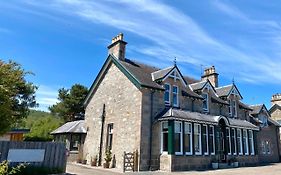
(174, 121)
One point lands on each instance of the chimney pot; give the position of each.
(211, 75)
(118, 47)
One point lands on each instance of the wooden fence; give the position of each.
(54, 154)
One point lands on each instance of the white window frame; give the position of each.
(177, 95)
(229, 140)
(161, 148)
(241, 141)
(251, 138)
(263, 147)
(234, 138)
(199, 138)
(181, 140)
(234, 108)
(207, 139)
(191, 137)
(247, 143)
(169, 92)
(207, 102)
(267, 147)
(213, 152)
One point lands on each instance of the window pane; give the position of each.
(165, 142)
(187, 143)
(177, 142)
(167, 93)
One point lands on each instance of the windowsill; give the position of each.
(240, 154)
(188, 153)
(198, 154)
(206, 154)
(213, 154)
(178, 153)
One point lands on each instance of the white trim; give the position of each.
(167, 102)
(207, 102)
(241, 142)
(247, 143)
(235, 142)
(191, 137)
(213, 152)
(177, 94)
(179, 77)
(251, 138)
(207, 138)
(199, 138)
(161, 131)
(229, 140)
(181, 139)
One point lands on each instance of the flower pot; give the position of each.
(235, 164)
(84, 162)
(106, 165)
(215, 165)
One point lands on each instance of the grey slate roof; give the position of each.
(182, 115)
(71, 127)
(274, 107)
(190, 93)
(198, 85)
(243, 105)
(218, 100)
(256, 109)
(224, 90)
(161, 73)
(274, 122)
(141, 72)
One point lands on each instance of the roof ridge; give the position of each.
(224, 86)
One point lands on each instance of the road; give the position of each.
(274, 169)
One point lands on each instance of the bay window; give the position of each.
(251, 142)
(188, 138)
(228, 141)
(245, 142)
(178, 138)
(239, 142)
(197, 139)
(212, 139)
(164, 137)
(205, 140)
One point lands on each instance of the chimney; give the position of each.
(118, 47)
(276, 99)
(211, 75)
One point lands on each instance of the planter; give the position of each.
(84, 162)
(79, 161)
(215, 165)
(94, 163)
(235, 164)
(106, 165)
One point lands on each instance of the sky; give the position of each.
(64, 42)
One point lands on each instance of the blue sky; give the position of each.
(64, 41)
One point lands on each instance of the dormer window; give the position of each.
(232, 108)
(205, 102)
(175, 96)
(263, 119)
(167, 94)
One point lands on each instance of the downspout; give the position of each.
(192, 104)
(151, 122)
(278, 142)
(101, 134)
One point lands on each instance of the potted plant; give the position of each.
(108, 158)
(215, 162)
(94, 161)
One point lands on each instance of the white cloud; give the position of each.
(46, 96)
(174, 33)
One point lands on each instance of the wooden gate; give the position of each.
(130, 161)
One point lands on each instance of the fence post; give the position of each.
(124, 162)
(136, 156)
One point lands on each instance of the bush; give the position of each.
(6, 170)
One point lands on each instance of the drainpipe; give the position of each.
(278, 140)
(192, 104)
(151, 122)
(101, 134)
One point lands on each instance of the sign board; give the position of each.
(26, 155)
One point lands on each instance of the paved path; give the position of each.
(274, 169)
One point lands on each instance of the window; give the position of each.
(239, 142)
(251, 142)
(164, 137)
(178, 138)
(175, 96)
(212, 139)
(232, 108)
(109, 136)
(167, 94)
(197, 139)
(205, 102)
(265, 145)
(205, 140)
(75, 141)
(188, 138)
(245, 142)
(233, 140)
(228, 141)
(263, 119)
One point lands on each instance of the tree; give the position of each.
(71, 102)
(16, 95)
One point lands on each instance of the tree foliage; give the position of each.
(71, 102)
(16, 94)
(40, 124)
